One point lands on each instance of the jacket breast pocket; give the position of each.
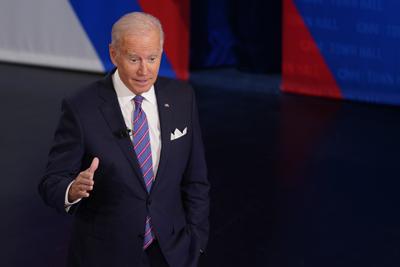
(178, 133)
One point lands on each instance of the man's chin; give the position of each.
(142, 87)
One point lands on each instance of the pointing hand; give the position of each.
(83, 183)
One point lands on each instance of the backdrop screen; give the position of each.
(343, 49)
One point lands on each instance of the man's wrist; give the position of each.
(67, 203)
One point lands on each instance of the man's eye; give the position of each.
(152, 59)
(133, 60)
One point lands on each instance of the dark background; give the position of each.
(242, 34)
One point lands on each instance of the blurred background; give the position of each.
(316, 83)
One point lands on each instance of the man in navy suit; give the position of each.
(128, 162)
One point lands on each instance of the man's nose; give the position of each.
(143, 68)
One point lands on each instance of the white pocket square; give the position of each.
(178, 134)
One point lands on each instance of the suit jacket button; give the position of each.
(148, 202)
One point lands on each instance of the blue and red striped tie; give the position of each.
(141, 142)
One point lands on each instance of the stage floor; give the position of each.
(306, 182)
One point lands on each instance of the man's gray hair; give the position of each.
(136, 23)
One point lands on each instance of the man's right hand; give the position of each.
(83, 183)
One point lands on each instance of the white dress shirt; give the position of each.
(149, 106)
(127, 105)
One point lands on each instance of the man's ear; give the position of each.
(113, 54)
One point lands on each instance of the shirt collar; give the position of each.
(125, 95)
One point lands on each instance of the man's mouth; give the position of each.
(142, 81)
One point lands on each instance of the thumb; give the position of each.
(94, 165)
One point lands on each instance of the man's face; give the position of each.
(138, 60)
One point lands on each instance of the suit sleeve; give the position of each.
(64, 161)
(195, 186)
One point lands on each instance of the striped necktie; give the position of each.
(141, 142)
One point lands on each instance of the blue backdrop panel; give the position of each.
(359, 40)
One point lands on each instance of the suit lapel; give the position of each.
(113, 116)
(165, 111)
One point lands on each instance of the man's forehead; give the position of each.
(141, 40)
(138, 34)
(131, 53)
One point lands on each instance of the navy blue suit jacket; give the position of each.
(109, 225)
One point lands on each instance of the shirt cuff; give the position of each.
(68, 204)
